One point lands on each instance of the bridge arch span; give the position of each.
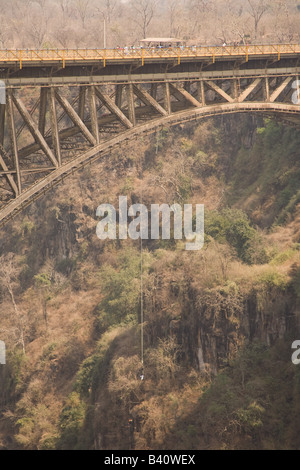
(289, 112)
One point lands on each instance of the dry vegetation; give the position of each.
(70, 304)
(81, 23)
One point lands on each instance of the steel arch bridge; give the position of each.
(63, 109)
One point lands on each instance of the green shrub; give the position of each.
(187, 146)
(296, 283)
(185, 187)
(281, 258)
(120, 287)
(42, 280)
(273, 279)
(250, 418)
(71, 421)
(128, 186)
(65, 266)
(84, 377)
(233, 226)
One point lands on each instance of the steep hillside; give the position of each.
(218, 323)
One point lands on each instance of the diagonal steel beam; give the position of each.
(74, 130)
(23, 126)
(280, 89)
(219, 90)
(131, 105)
(181, 94)
(147, 99)
(167, 98)
(93, 112)
(54, 126)
(62, 116)
(249, 90)
(33, 128)
(9, 177)
(75, 118)
(113, 108)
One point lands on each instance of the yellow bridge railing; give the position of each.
(67, 56)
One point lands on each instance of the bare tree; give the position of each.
(172, 14)
(35, 23)
(42, 3)
(109, 8)
(201, 5)
(4, 29)
(66, 8)
(64, 36)
(82, 8)
(37, 31)
(286, 24)
(144, 12)
(237, 22)
(8, 275)
(257, 9)
(42, 286)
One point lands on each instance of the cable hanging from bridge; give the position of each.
(141, 283)
(142, 306)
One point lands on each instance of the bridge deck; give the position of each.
(123, 55)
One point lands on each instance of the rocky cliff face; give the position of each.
(79, 298)
(217, 325)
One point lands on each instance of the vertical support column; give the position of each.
(234, 89)
(267, 90)
(93, 111)
(131, 108)
(118, 98)
(43, 110)
(81, 102)
(202, 89)
(2, 123)
(167, 98)
(2, 111)
(298, 88)
(153, 91)
(13, 137)
(54, 126)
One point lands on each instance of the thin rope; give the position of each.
(142, 286)
(142, 305)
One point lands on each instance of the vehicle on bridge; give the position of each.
(162, 43)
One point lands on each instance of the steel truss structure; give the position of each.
(58, 115)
